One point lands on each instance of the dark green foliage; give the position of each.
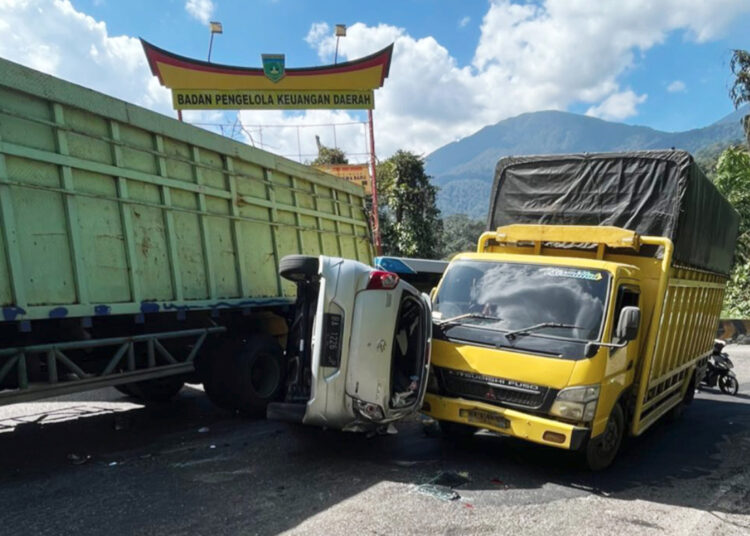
(329, 155)
(460, 233)
(733, 180)
(708, 157)
(410, 224)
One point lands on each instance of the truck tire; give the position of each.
(600, 451)
(676, 412)
(245, 376)
(215, 369)
(156, 390)
(298, 267)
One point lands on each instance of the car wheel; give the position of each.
(298, 267)
(601, 450)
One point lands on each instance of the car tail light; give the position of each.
(380, 280)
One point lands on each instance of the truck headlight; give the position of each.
(576, 403)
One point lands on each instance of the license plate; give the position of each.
(332, 340)
(478, 416)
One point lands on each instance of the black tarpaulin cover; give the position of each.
(658, 193)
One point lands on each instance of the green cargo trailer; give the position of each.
(141, 252)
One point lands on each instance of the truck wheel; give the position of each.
(215, 369)
(601, 450)
(676, 412)
(456, 430)
(156, 390)
(260, 372)
(245, 376)
(298, 267)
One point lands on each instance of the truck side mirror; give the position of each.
(628, 324)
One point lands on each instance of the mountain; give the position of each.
(464, 169)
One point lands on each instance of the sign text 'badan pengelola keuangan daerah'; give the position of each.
(198, 85)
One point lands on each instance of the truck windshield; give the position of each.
(512, 296)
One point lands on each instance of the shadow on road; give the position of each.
(190, 460)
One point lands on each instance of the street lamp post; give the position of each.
(215, 29)
(340, 32)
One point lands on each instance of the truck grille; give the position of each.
(492, 390)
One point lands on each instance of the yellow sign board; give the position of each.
(247, 99)
(358, 174)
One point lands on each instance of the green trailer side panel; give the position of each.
(108, 208)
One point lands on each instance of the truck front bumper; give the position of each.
(506, 421)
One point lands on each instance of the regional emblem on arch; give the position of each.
(273, 66)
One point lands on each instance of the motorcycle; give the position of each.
(719, 371)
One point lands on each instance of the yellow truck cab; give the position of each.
(571, 326)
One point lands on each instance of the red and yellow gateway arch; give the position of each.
(197, 84)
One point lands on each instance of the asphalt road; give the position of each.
(97, 463)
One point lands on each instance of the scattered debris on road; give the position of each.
(441, 487)
(78, 459)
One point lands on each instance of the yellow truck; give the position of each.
(590, 307)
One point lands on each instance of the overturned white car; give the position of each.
(359, 346)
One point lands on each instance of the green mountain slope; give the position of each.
(464, 169)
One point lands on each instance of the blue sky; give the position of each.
(457, 65)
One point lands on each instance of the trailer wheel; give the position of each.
(245, 376)
(215, 369)
(600, 451)
(298, 267)
(260, 371)
(156, 390)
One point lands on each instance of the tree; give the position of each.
(740, 90)
(328, 155)
(460, 233)
(410, 224)
(733, 180)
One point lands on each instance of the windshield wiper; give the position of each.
(510, 335)
(455, 319)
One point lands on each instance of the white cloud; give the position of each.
(617, 106)
(464, 21)
(55, 38)
(201, 10)
(317, 34)
(529, 57)
(677, 86)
